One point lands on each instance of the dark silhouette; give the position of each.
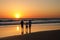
(29, 26)
(22, 24)
(26, 28)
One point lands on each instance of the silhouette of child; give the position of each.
(26, 28)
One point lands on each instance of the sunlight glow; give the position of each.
(17, 15)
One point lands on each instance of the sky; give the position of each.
(30, 8)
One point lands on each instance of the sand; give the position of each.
(45, 35)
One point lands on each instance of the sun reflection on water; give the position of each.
(17, 28)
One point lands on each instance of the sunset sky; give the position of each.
(30, 8)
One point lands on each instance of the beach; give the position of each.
(46, 35)
(39, 31)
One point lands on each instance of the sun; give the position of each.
(17, 15)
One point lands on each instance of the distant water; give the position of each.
(10, 30)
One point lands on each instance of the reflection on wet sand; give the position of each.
(12, 30)
(18, 28)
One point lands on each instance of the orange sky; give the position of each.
(29, 8)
